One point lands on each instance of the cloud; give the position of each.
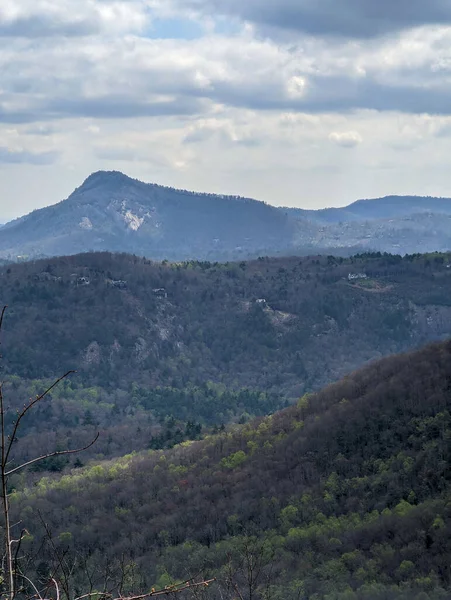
(43, 18)
(123, 154)
(227, 132)
(8, 156)
(228, 96)
(130, 76)
(346, 139)
(123, 107)
(40, 129)
(349, 18)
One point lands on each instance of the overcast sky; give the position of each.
(306, 103)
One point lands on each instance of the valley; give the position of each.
(225, 300)
(170, 352)
(217, 444)
(346, 494)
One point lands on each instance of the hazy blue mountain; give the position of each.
(419, 232)
(388, 207)
(112, 212)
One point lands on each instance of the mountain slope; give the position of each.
(278, 324)
(183, 346)
(111, 211)
(388, 207)
(425, 231)
(346, 495)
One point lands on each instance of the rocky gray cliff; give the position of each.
(113, 212)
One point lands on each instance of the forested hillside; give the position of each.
(112, 212)
(169, 352)
(267, 322)
(388, 207)
(344, 496)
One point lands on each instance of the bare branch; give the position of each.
(5, 503)
(27, 408)
(11, 558)
(19, 543)
(51, 454)
(61, 559)
(2, 316)
(57, 589)
(32, 584)
(92, 594)
(170, 589)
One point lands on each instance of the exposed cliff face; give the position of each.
(113, 212)
(432, 320)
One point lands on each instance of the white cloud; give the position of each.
(346, 139)
(130, 76)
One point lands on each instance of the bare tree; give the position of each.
(250, 569)
(12, 572)
(7, 468)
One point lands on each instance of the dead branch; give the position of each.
(170, 589)
(32, 585)
(28, 407)
(51, 454)
(57, 589)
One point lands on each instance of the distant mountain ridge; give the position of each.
(113, 212)
(388, 207)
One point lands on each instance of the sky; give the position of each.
(306, 103)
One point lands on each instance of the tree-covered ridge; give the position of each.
(166, 353)
(132, 419)
(345, 495)
(280, 325)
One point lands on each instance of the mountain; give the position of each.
(293, 322)
(394, 224)
(113, 212)
(388, 207)
(186, 348)
(425, 232)
(346, 495)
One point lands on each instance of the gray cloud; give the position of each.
(340, 94)
(225, 134)
(131, 77)
(119, 154)
(24, 157)
(123, 107)
(101, 107)
(348, 18)
(44, 26)
(69, 18)
(40, 129)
